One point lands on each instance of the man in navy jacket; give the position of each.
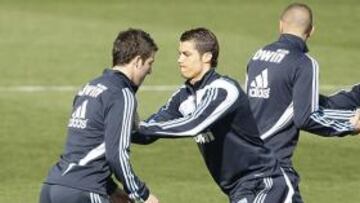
(282, 86)
(99, 131)
(215, 111)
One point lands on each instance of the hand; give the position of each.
(152, 199)
(119, 196)
(355, 121)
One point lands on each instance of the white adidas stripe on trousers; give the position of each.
(261, 196)
(95, 198)
(268, 181)
(291, 191)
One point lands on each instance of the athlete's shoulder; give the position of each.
(227, 83)
(229, 80)
(308, 58)
(306, 63)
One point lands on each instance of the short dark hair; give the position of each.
(131, 43)
(205, 41)
(308, 23)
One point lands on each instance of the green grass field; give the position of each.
(67, 42)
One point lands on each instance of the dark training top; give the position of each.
(216, 113)
(282, 86)
(98, 142)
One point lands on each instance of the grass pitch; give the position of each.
(48, 42)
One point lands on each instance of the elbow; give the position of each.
(304, 120)
(145, 142)
(112, 158)
(142, 139)
(149, 141)
(111, 161)
(300, 123)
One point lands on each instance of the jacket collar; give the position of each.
(295, 41)
(206, 79)
(119, 78)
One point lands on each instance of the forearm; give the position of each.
(122, 169)
(329, 124)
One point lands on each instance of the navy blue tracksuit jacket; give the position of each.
(216, 113)
(98, 141)
(282, 86)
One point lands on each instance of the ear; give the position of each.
(138, 61)
(206, 57)
(281, 27)
(311, 31)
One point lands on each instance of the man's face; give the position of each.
(144, 68)
(190, 61)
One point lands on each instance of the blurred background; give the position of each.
(49, 48)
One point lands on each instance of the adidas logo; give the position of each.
(260, 86)
(77, 119)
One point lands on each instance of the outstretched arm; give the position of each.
(217, 100)
(308, 115)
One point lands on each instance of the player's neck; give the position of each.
(126, 70)
(303, 37)
(200, 76)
